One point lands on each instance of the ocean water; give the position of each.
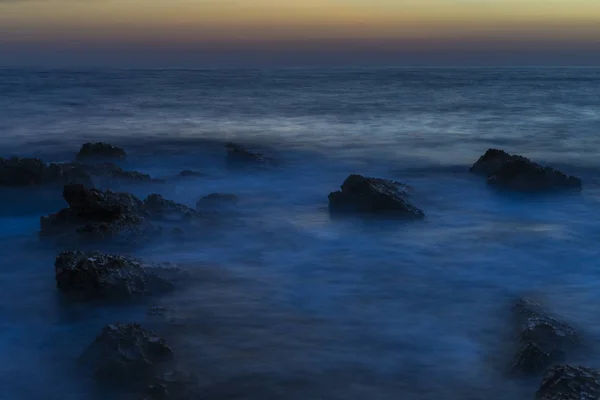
(288, 302)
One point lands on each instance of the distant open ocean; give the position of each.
(298, 305)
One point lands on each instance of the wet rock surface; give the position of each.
(373, 195)
(126, 354)
(17, 171)
(95, 275)
(521, 174)
(565, 382)
(100, 151)
(542, 340)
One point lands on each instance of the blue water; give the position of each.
(291, 303)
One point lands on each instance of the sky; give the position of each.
(248, 33)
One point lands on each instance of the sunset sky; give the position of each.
(189, 33)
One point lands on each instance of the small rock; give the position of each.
(100, 150)
(216, 199)
(240, 155)
(160, 208)
(127, 354)
(372, 195)
(565, 382)
(542, 340)
(96, 275)
(521, 174)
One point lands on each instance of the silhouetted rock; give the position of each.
(96, 275)
(238, 155)
(173, 385)
(542, 340)
(521, 174)
(100, 151)
(33, 171)
(160, 208)
(373, 195)
(127, 354)
(216, 199)
(565, 382)
(112, 171)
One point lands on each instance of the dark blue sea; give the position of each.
(292, 303)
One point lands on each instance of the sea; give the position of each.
(289, 302)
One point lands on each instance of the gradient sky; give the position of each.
(205, 33)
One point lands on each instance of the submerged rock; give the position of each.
(96, 275)
(240, 155)
(97, 214)
(371, 195)
(565, 382)
(189, 174)
(216, 199)
(100, 150)
(33, 171)
(126, 353)
(519, 173)
(542, 340)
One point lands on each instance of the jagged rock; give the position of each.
(100, 150)
(95, 275)
(160, 208)
(98, 214)
(240, 155)
(33, 171)
(519, 173)
(565, 382)
(542, 340)
(127, 354)
(361, 194)
(216, 199)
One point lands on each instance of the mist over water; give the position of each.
(286, 301)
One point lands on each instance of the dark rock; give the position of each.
(98, 214)
(216, 199)
(96, 275)
(173, 385)
(126, 353)
(240, 155)
(372, 195)
(542, 340)
(100, 151)
(33, 171)
(160, 208)
(519, 173)
(565, 382)
(112, 171)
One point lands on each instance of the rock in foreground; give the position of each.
(565, 382)
(33, 171)
(126, 353)
(95, 275)
(519, 173)
(373, 195)
(100, 151)
(542, 340)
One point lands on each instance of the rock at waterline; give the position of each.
(373, 195)
(17, 171)
(190, 174)
(240, 155)
(565, 382)
(519, 173)
(127, 354)
(215, 200)
(100, 150)
(113, 171)
(96, 214)
(95, 275)
(542, 340)
(173, 385)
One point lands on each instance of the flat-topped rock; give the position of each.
(127, 354)
(522, 174)
(100, 151)
(95, 275)
(566, 382)
(373, 195)
(542, 340)
(17, 171)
